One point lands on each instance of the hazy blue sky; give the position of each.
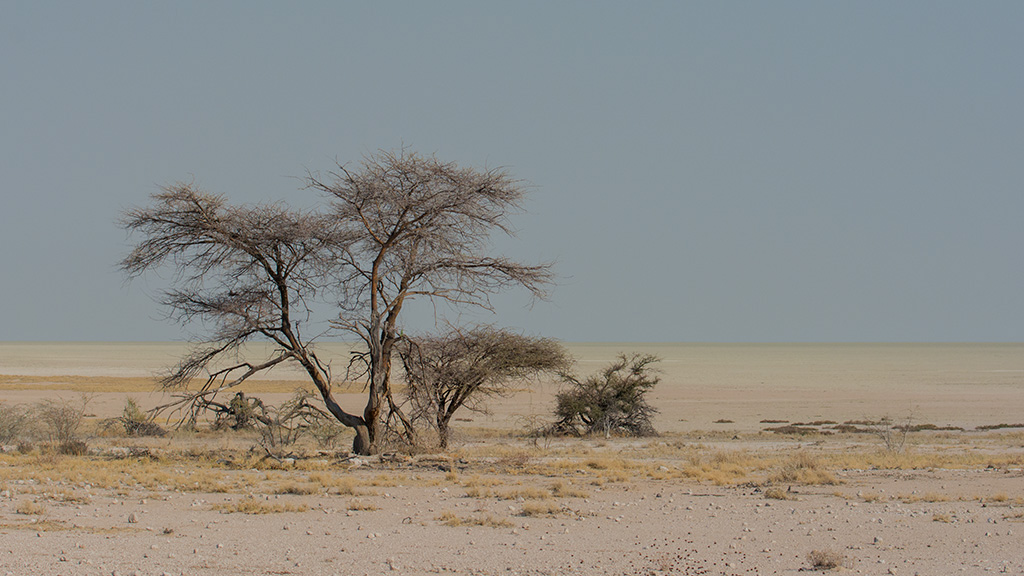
(713, 171)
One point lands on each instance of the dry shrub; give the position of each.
(135, 422)
(939, 517)
(777, 494)
(73, 448)
(826, 560)
(61, 420)
(13, 422)
(30, 508)
(359, 505)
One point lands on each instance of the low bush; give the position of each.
(138, 423)
(13, 422)
(826, 560)
(612, 402)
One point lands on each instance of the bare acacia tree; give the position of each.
(417, 228)
(248, 272)
(459, 369)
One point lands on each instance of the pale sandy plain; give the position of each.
(692, 501)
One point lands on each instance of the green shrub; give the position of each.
(612, 402)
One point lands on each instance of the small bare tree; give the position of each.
(461, 369)
(614, 401)
(249, 272)
(418, 228)
(893, 434)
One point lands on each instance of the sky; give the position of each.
(699, 171)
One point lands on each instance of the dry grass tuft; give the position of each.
(30, 508)
(252, 506)
(299, 488)
(777, 494)
(359, 505)
(488, 520)
(541, 508)
(939, 517)
(803, 468)
(721, 468)
(826, 560)
(562, 489)
(527, 493)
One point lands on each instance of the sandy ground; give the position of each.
(649, 519)
(629, 527)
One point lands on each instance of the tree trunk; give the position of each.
(361, 443)
(375, 416)
(443, 432)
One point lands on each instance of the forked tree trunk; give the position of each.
(362, 443)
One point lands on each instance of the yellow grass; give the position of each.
(300, 488)
(449, 518)
(526, 493)
(541, 508)
(803, 468)
(253, 506)
(562, 489)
